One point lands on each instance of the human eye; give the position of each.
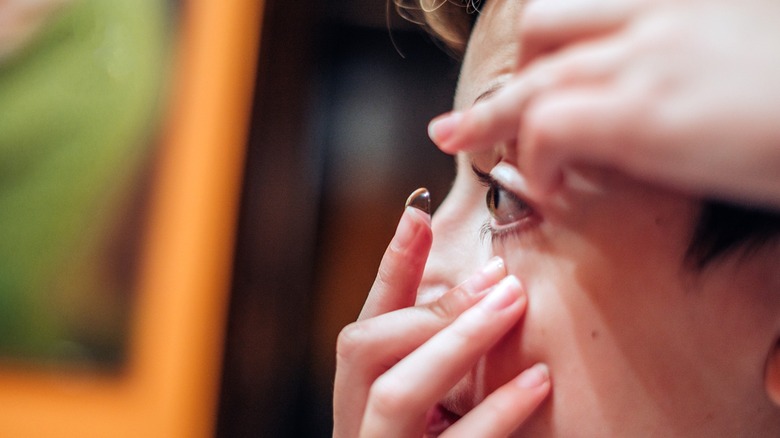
(510, 215)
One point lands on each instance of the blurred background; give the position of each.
(330, 136)
(338, 141)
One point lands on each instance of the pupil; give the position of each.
(492, 200)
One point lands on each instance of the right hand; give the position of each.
(398, 360)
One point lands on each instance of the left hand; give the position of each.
(682, 93)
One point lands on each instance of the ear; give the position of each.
(772, 374)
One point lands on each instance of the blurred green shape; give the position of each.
(78, 114)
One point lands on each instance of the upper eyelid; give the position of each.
(487, 180)
(483, 177)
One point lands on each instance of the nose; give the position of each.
(457, 249)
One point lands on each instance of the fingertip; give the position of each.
(507, 292)
(493, 271)
(422, 220)
(414, 225)
(535, 377)
(464, 131)
(486, 277)
(417, 208)
(441, 128)
(508, 407)
(470, 130)
(418, 216)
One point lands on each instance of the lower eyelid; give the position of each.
(500, 235)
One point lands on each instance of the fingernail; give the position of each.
(441, 128)
(493, 271)
(420, 199)
(506, 292)
(533, 377)
(407, 230)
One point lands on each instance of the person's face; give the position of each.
(637, 343)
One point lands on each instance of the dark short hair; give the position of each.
(722, 227)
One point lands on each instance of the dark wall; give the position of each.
(338, 141)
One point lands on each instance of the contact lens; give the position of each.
(420, 199)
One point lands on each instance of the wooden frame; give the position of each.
(169, 388)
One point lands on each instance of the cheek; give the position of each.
(583, 333)
(596, 290)
(561, 326)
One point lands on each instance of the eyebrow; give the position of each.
(489, 92)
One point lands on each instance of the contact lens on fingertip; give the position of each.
(420, 199)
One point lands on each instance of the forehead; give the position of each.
(491, 52)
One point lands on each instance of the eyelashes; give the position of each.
(487, 232)
(496, 236)
(509, 214)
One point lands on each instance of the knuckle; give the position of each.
(389, 398)
(351, 340)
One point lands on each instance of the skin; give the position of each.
(689, 85)
(634, 342)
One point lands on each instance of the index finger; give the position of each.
(500, 118)
(486, 123)
(401, 268)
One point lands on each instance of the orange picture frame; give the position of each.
(170, 385)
